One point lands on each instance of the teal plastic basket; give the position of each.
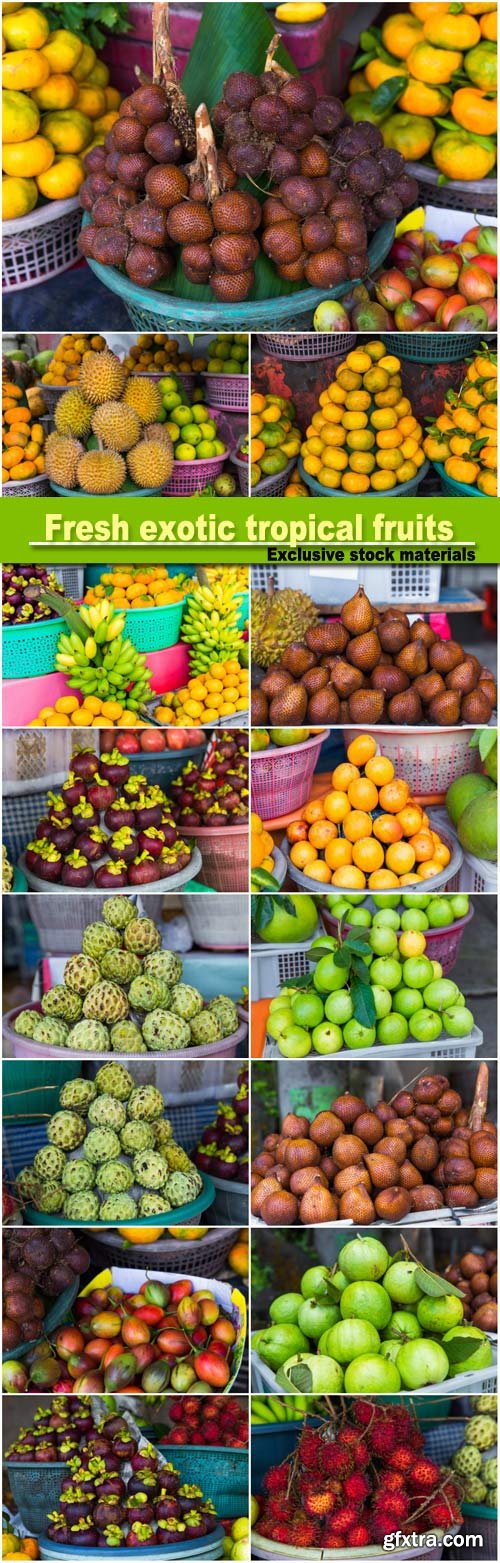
(155, 629)
(36, 1489)
(55, 1316)
(221, 1472)
(29, 650)
(389, 493)
(432, 347)
(157, 310)
(185, 1215)
(210, 1547)
(450, 485)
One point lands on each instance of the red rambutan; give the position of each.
(401, 1459)
(392, 1509)
(441, 1513)
(280, 1532)
(336, 1461)
(343, 1519)
(383, 1438)
(310, 1446)
(394, 1481)
(348, 1436)
(359, 1536)
(424, 1476)
(356, 1487)
(364, 1412)
(320, 1503)
(302, 1532)
(276, 1479)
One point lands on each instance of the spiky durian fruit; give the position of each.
(150, 463)
(145, 397)
(73, 414)
(102, 377)
(277, 619)
(62, 454)
(118, 426)
(101, 472)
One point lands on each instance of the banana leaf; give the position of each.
(65, 609)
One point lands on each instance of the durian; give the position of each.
(278, 619)
(150, 463)
(117, 426)
(73, 414)
(62, 454)
(145, 397)
(102, 377)
(101, 472)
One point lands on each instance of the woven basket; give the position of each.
(25, 1047)
(272, 487)
(477, 874)
(227, 391)
(188, 381)
(398, 492)
(206, 1256)
(189, 477)
(448, 877)
(231, 1202)
(155, 629)
(40, 245)
(428, 759)
(163, 768)
(170, 882)
(221, 1472)
(224, 855)
(305, 347)
(243, 471)
(29, 650)
(280, 779)
(433, 347)
(455, 194)
(60, 924)
(32, 488)
(451, 486)
(225, 929)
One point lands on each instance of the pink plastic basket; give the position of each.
(273, 487)
(188, 381)
(243, 470)
(224, 854)
(281, 778)
(25, 1047)
(441, 944)
(302, 347)
(190, 476)
(227, 391)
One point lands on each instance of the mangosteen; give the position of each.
(119, 815)
(73, 790)
(148, 814)
(190, 818)
(85, 764)
(56, 804)
(134, 786)
(123, 845)
(170, 1530)
(144, 870)
(44, 830)
(188, 1495)
(168, 1478)
(110, 1487)
(111, 1425)
(58, 1530)
(108, 1511)
(225, 1165)
(167, 1508)
(75, 1508)
(112, 876)
(33, 855)
(145, 1482)
(195, 1525)
(101, 793)
(151, 840)
(141, 1511)
(216, 815)
(209, 1515)
(140, 1536)
(83, 1535)
(115, 767)
(62, 834)
(144, 1460)
(124, 1446)
(76, 871)
(92, 843)
(49, 866)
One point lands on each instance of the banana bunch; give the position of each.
(210, 624)
(219, 572)
(101, 662)
(269, 1408)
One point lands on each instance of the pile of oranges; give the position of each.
(219, 692)
(64, 366)
(129, 588)
(367, 832)
(23, 438)
(67, 711)
(364, 435)
(464, 438)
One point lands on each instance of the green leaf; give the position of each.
(459, 1350)
(358, 943)
(360, 970)
(66, 610)
(435, 1285)
(370, 38)
(342, 958)
(362, 998)
(319, 951)
(388, 93)
(301, 1377)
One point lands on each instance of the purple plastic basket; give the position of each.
(243, 470)
(441, 944)
(274, 486)
(190, 476)
(25, 1047)
(307, 346)
(281, 778)
(227, 391)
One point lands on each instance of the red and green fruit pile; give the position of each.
(152, 740)
(210, 1421)
(37, 1268)
(373, 1324)
(222, 1149)
(359, 1477)
(335, 1008)
(420, 1151)
(215, 793)
(433, 284)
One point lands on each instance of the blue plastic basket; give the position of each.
(450, 485)
(155, 629)
(210, 1547)
(221, 1472)
(29, 650)
(152, 310)
(36, 1489)
(393, 493)
(432, 347)
(164, 768)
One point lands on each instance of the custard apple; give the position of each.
(120, 966)
(226, 1014)
(66, 1130)
(83, 1206)
(27, 1183)
(26, 1023)
(490, 1473)
(185, 1001)
(149, 1170)
(62, 1003)
(49, 1163)
(165, 965)
(137, 1137)
(467, 1461)
(101, 1145)
(153, 1204)
(126, 1038)
(486, 1403)
(119, 1207)
(51, 1032)
(162, 1133)
(107, 1112)
(177, 1159)
(481, 1431)
(98, 938)
(106, 1002)
(474, 1490)
(164, 1032)
(89, 1036)
(80, 974)
(118, 911)
(114, 1177)
(49, 1197)
(77, 1095)
(145, 1102)
(78, 1176)
(114, 1080)
(148, 993)
(142, 936)
(183, 1187)
(204, 1029)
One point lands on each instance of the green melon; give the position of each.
(491, 763)
(462, 792)
(477, 826)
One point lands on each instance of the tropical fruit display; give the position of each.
(345, 1164)
(22, 587)
(222, 1149)
(190, 423)
(56, 103)
(23, 437)
(431, 284)
(212, 626)
(474, 1462)
(153, 741)
(212, 1421)
(274, 436)
(361, 1475)
(62, 365)
(363, 434)
(33, 1274)
(464, 438)
(228, 354)
(110, 430)
(343, 1332)
(220, 692)
(428, 78)
(216, 792)
(122, 993)
(363, 667)
(472, 802)
(155, 352)
(472, 1268)
(136, 586)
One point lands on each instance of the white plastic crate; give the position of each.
(335, 584)
(445, 1047)
(276, 964)
(483, 1382)
(477, 874)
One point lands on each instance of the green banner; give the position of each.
(362, 529)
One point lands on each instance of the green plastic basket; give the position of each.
(157, 310)
(221, 1472)
(450, 485)
(52, 1320)
(37, 1490)
(432, 347)
(29, 650)
(186, 1215)
(390, 493)
(155, 629)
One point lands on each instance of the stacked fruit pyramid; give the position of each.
(367, 831)
(137, 586)
(122, 971)
(275, 436)
(110, 1152)
(23, 437)
(363, 434)
(359, 1477)
(109, 428)
(157, 353)
(64, 364)
(464, 438)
